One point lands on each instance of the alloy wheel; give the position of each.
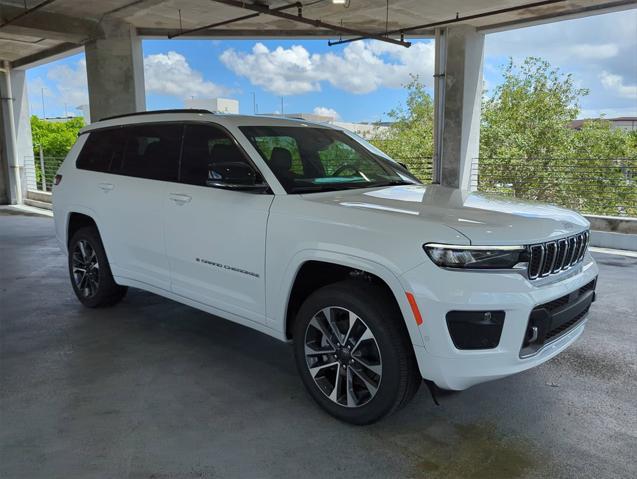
(85, 268)
(343, 357)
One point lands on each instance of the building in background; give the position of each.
(85, 112)
(215, 105)
(626, 123)
(365, 130)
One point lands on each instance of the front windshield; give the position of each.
(311, 159)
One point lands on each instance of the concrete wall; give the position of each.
(613, 224)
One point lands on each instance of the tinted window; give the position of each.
(102, 148)
(308, 159)
(209, 155)
(151, 151)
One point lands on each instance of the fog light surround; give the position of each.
(475, 329)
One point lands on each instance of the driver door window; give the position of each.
(210, 156)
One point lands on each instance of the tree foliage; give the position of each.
(529, 150)
(527, 146)
(410, 137)
(56, 138)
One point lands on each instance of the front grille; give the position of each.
(555, 256)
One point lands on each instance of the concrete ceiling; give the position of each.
(60, 26)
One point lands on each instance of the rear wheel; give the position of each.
(353, 353)
(90, 272)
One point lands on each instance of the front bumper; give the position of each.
(438, 291)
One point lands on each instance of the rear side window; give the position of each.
(150, 151)
(102, 148)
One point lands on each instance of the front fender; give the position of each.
(277, 310)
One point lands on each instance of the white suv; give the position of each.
(311, 235)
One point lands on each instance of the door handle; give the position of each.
(106, 187)
(180, 199)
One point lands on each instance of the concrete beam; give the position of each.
(46, 56)
(270, 34)
(42, 24)
(115, 72)
(459, 102)
(557, 16)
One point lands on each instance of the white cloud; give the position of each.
(170, 74)
(70, 83)
(599, 52)
(588, 51)
(361, 67)
(616, 84)
(325, 111)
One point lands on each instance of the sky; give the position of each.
(360, 81)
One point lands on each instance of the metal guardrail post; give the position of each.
(42, 172)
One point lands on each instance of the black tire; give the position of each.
(400, 375)
(101, 291)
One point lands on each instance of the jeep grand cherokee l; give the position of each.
(309, 234)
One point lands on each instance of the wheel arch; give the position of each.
(323, 268)
(75, 221)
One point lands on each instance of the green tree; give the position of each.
(56, 139)
(527, 147)
(528, 150)
(410, 137)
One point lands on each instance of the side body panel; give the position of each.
(381, 243)
(215, 242)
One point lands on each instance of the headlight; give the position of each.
(475, 257)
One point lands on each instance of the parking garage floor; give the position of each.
(154, 389)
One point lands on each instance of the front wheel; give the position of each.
(352, 352)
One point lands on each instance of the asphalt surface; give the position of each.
(154, 389)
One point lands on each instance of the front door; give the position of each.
(215, 237)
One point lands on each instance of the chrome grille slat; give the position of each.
(578, 245)
(561, 253)
(550, 251)
(553, 257)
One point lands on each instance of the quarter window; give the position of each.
(102, 147)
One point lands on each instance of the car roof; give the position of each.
(222, 119)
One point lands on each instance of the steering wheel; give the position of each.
(340, 169)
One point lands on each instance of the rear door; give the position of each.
(215, 237)
(133, 201)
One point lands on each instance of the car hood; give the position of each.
(482, 218)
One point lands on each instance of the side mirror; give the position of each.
(234, 176)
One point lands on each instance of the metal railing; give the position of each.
(41, 170)
(602, 186)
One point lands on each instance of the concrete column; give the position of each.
(115, 72)
(17, 145)
(458, 103)
(24, 137)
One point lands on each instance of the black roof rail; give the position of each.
(153, 112)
